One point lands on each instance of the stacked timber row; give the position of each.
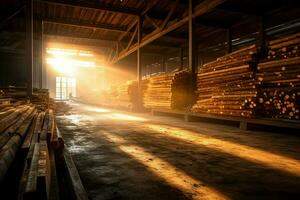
(40, 97)
(227, 86)
(121, 95)
(279, 78)
(125, 95)
(31, 132)
(168, 91)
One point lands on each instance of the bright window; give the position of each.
(65, 87)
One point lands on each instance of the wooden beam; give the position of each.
(95, 5)
(29, 45)
(128, 30)
(151, 21)
(133, 36)
(171, 11)
(204, 7)
(86, 24)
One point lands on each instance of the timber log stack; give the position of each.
(168, 91)
(33, 133)
(227, 85)
(40, 97)
(125, 95)
(28, 133)
(279, 78)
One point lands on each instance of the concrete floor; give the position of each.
(122, 155)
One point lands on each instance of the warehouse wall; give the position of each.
(12, 69)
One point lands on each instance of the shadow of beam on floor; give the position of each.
(220, 171)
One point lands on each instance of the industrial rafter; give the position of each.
(200, 9)
(95, 6)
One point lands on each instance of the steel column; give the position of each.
(139, 64)
(29, 45)
(40, 53)
(192, 45)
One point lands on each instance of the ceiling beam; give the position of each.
(202, 8)
(103, 26)
(94, 5)
(86, 24)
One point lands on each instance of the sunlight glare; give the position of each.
(272, 160)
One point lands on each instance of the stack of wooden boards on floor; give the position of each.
(124, 95)
(168, 91)
(279, 78)
(32, 131)
(226, 86)
(40, 97)
(127, 94)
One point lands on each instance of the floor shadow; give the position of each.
(109, 173)
(285, 145)
(235, 177)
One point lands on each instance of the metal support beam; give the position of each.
(29, 45)
(192, 45)
(204, 7)
(139, 64)
(229, 40)
(86, 24)
(40, 53)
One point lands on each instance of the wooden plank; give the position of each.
(30, 192)
(74, 178)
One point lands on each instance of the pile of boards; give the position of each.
(60, 107)
(279, 79)
(40, 97)
(125, 95)
(168, 91)
(227, 85)
(33, 132)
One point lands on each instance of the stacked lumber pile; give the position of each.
(40, 97)
(60, 107)
(25, 129)
(279, 78)
(168, 91)
(226, 86)
(125, 95)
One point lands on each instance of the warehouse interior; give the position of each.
(154, 100)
